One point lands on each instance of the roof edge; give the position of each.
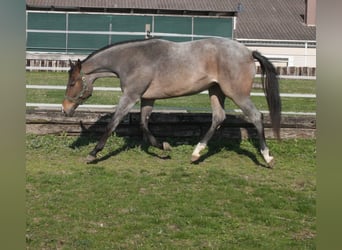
(136, 11)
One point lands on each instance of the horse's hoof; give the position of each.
(271, 163)
(167, 146)
(195, 158)
(90, 159)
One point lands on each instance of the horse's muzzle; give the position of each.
(68, 113)
(68, 108)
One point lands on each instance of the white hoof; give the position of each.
(195, 158)
(269, 159)
(167, 146)
(196, 154)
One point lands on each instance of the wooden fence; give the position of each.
(162, 124)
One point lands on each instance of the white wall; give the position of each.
(298, 57)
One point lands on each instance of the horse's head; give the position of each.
(78, 89)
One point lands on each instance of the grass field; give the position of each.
(190, 103)
(139, 197)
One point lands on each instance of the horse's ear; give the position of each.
(79, 64)
(71, 64)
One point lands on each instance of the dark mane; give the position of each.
(116, 44)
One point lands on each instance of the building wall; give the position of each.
(74, 32)
(289, 57)
(285, 53)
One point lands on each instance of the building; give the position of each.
(282, 30)
(83, 26)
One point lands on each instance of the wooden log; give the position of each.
(163, 124)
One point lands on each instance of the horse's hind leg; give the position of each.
(219, 115)
(146, 110)
(254, 116)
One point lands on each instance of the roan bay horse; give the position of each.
(155, 69)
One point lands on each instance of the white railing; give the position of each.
(55, 87)
(117, 89)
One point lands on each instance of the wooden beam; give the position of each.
(163, 124)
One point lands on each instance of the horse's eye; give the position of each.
(71, 83)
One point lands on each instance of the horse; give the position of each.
(153, 69)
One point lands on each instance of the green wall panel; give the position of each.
(170, 24)
(174, 25)
(46, 21)
(89, 22)
(213, 26)
(82, 22)
(125, 23)
(86, 41)
(46, 42)
(122, 38)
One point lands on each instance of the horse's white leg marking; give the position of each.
(266, 154)
(196, 154)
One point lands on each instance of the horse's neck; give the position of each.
(93, 65)
(95, 68)
(100, 63)
(112, 59)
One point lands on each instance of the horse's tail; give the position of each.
(271, 89)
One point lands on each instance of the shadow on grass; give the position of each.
(215, 146)
(130, 144)
(92, 134)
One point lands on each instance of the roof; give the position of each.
(257, 19)
(190, 5)
(273, 19)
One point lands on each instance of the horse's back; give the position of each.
(220, 43)
(190, 67)
(208, 55)
(224, 52)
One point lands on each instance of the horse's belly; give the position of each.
(165, 93)
(162, 91)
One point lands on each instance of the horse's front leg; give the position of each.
(126, 103)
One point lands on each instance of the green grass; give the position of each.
(139, 197)
(190, 103)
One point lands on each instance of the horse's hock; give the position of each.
(163, 124)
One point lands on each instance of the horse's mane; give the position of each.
(116, 44)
